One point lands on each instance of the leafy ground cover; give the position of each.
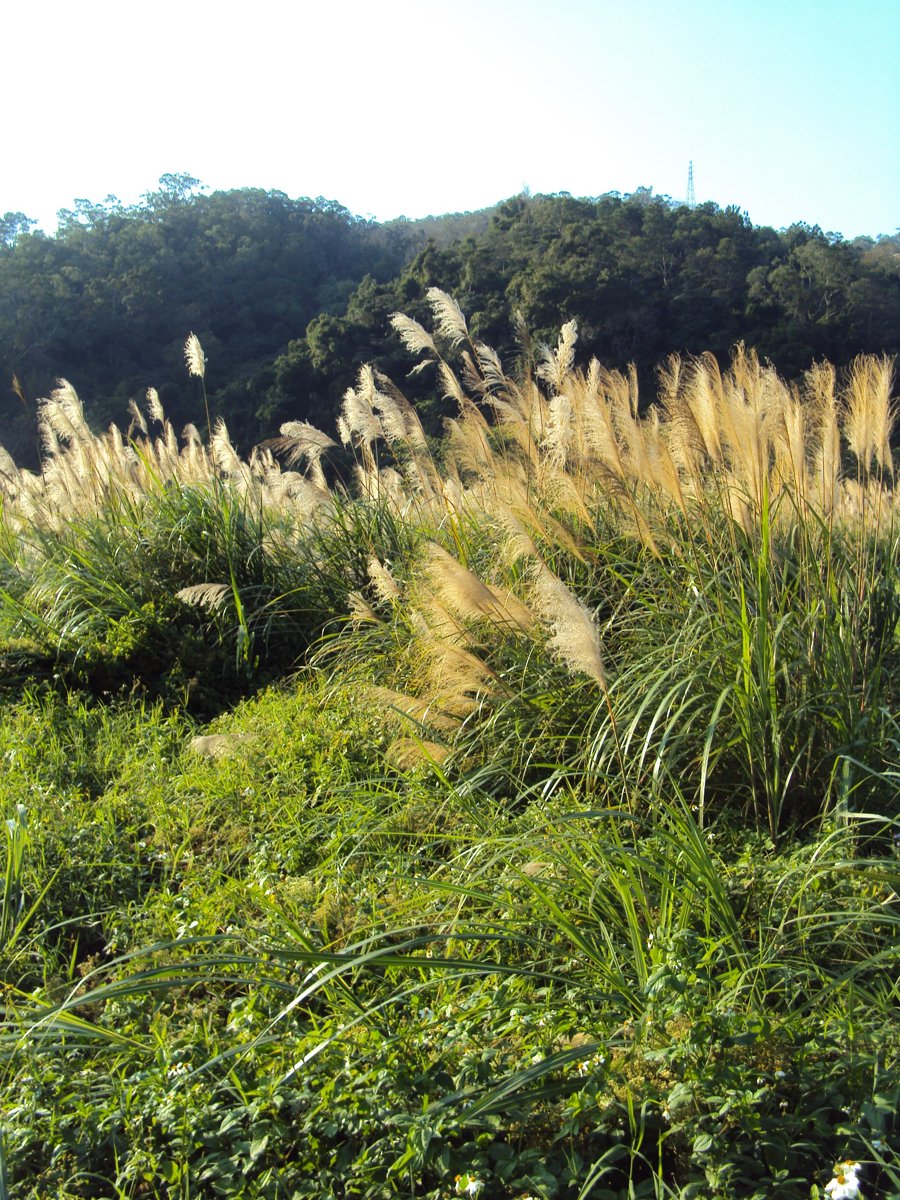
(516, 818)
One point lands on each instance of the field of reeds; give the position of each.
(515, 815)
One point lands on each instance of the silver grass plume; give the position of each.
(223, 452)
(138, 420)
(64, 413)
(312, 440)
(870, 413)
(382, 582)
(452, 387)
(416, 339)
(458, 678)
(154, 407)
(707, 404)
(361, 611)
(406, 753)
(301, 441)
(194, 356)
(359, 419)
(471, 374)
(8, 469)
(491, 368)
(392, 421)
(559, 430)
(575, 639)
(59, 418)
(212, 596)
(556, 365)
(404, 420)
(448, 316)
(820, 399)
(516, 542)
(67, 398)
(468, 596)
(417, 710)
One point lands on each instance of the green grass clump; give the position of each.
(520, 820)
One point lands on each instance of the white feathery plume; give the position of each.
(471, 374)
(223, 452)
(8, 468)
(416, 339)
(137, 419)
(382, 582)
(302, 441)
(213, 596)
(708, 405)
(559, 430)
(517, 542)
(556, 365)
(820, 399)
(171, 441)
(116, 442)
(457, 676)
(312, 440)
(870, 413)
(466, 595)
(452, 387)
(398, 417)
(392, 423)
(490, 366)
(575, 639)
(57, 417)
(358, 416)
(448, 315)
(343, 430)
(154, 407)
(194, 356)
(67, 398)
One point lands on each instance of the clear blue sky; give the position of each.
(788, 108)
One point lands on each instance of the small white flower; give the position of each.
(845, 1185)
(468, 1185)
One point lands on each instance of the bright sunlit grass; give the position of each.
(512, 817)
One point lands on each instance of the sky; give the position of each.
(789, 109)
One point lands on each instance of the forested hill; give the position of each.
(289, 297)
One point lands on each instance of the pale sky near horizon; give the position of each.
(789, 109)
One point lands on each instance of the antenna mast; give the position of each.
(691, 198)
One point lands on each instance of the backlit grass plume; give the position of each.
(194, 356)
(575, 639)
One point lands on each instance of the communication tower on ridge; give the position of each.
(691, 198)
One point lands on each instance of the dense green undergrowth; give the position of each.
(515, 824)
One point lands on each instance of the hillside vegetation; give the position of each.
(291, 297)
(510, 814)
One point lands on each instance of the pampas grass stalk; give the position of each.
(575, 639)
